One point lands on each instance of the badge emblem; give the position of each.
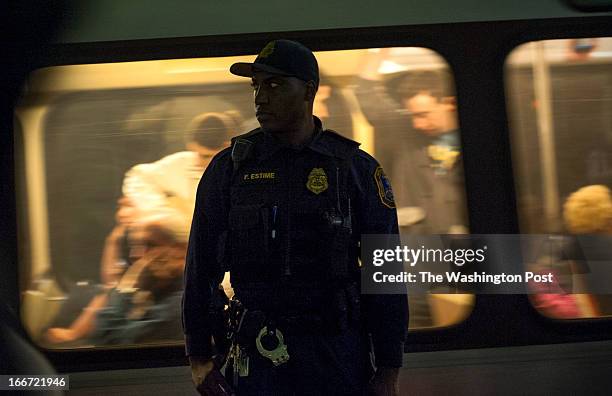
(267, 50)
(317, 181)
(384, 188)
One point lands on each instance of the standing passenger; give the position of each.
(167, 187)
(284, 210)
(417, 136)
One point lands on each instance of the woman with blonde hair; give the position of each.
(589, 210)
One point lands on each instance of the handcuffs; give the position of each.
(279, 354)
(270, 342)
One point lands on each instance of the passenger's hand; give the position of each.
(127, 212)
(385, 382)
(56, 335)
(457, 229)
(200, 368)
(371, 62)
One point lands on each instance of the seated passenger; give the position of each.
(142, 299)
(586, 211)
(145, 305)
(117, 256)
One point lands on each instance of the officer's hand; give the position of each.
(385, 382)
(200, 368)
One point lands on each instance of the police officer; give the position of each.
(283, 210)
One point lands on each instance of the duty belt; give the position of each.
(294, 301)
(269, 341)
(260, 331)
(255, 320)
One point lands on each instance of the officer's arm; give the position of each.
(203, 272)
(386, 315)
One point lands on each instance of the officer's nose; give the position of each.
(260, 95)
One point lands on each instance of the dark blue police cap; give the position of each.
(284, 57)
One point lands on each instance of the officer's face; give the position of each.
(281, 102)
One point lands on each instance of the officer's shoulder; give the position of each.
(242, 145)
(337, 138)
(219, 167)
(253, 134)
(365, 160)
(341, 146)
(221, 157)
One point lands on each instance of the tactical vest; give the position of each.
(290, 220)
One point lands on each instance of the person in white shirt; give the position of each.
(167, 187)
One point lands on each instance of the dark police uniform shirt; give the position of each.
(262, 219)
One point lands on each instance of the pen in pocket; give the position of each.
(274, 210)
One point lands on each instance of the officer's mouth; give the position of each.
(263, 116)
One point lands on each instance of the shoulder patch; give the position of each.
(384, 188)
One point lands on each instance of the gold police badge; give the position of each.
(317, 181)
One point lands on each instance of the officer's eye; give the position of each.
(273, 84)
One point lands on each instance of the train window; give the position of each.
(113, 154)
(560, 111)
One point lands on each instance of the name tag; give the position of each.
(259, 177)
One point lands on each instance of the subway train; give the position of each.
(524, 90)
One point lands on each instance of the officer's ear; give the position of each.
(311, 91)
